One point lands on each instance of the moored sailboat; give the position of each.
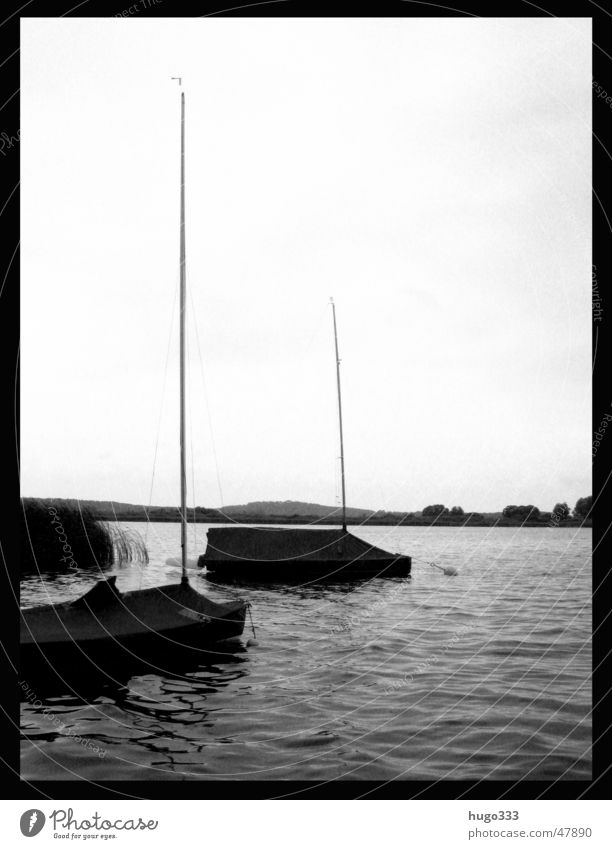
(105, 626)
(291, 555)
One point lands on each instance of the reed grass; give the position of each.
(60, 536)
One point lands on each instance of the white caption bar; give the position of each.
(304, 824)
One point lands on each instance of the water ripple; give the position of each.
(486, 675)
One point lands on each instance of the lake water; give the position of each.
(486, 675)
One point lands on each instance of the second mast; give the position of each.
(340, 417)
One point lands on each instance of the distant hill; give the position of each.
(291, 509)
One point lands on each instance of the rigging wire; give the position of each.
(191, 454)
(192, 312)
(159, 418)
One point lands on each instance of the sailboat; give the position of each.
(106, 626)
(298, 554)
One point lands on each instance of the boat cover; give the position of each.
(315, 545)
(105, 613)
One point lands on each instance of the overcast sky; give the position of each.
(434, 176)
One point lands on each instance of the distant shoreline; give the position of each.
(110, 511)
(305, 520)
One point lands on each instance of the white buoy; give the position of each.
(448, 570)
(176, 561)
(252, 642)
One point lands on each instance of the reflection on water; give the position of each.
(86, 682)
(486, 675)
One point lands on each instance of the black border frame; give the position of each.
(14, 787)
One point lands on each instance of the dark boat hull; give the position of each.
(294, 571)
(148, 630)
(118, 659)
(296, 555)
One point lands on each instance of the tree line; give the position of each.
(561, 512)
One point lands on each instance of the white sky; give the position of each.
(432, 175)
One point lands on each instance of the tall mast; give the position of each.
(340, 417)
(184, 578)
